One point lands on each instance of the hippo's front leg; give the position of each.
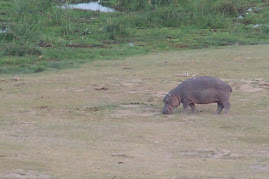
(185, 106)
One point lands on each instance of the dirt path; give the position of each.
(104, 120)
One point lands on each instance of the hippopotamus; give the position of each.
(198, 90)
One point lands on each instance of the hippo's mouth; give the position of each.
(170, 109)
(167, 110)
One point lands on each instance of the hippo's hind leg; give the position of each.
(220, 108)
(193, 108)
(227, 107)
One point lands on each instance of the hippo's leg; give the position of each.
(192, 105)
(227, 107)
(220, 107)
(185, 106)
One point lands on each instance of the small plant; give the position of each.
(60, 17)
(39, 69)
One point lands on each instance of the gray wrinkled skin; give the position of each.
(198, 90)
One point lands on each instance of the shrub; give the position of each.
(116, 29)
(265, 29)
(20, 50)
(28, 15)
(229, 7)
(32, 16)
(24, 32)
(138, 5)
(177, 13)
(30, 10)
(132, 5)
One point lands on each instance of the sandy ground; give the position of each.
(104, 119)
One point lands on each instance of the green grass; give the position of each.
(41, 36)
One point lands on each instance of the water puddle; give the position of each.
(93, 6)
(3, 30)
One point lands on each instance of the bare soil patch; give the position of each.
(104, 120)
(251, 85)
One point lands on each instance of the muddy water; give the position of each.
(93, 6)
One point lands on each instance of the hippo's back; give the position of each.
(205, 82)
(204, 89)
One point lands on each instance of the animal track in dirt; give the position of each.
(135, 109)
(101, 89)
(19, 84)
(210, 153)
(42, 107)
(126, 68)
(97, 88)
(260, 167)
(250, 85)
(93, 109)
(20, 173)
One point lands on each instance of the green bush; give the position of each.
(60, 17)
(29, 16)
(227, 7)
(265, 29)
(167, 17)
(116, 29)
(132, 5)
(140, 5)
(20, 50)
(178, 13)
(32, 16)
(30, 11)
(24, 32)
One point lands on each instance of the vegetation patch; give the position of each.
(51, 37)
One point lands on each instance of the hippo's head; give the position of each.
(170, 102)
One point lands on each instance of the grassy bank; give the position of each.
(40, 36)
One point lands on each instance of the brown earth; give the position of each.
(104, 120)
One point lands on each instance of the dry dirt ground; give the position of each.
(104, 119)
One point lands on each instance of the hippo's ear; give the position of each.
(165, 98)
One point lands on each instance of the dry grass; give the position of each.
(104, 120)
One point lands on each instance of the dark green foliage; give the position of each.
(132, 5)
(116, 29)
(229, 7)
(177, 13)
(265, 29)
(20, 50)
(138, 5)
